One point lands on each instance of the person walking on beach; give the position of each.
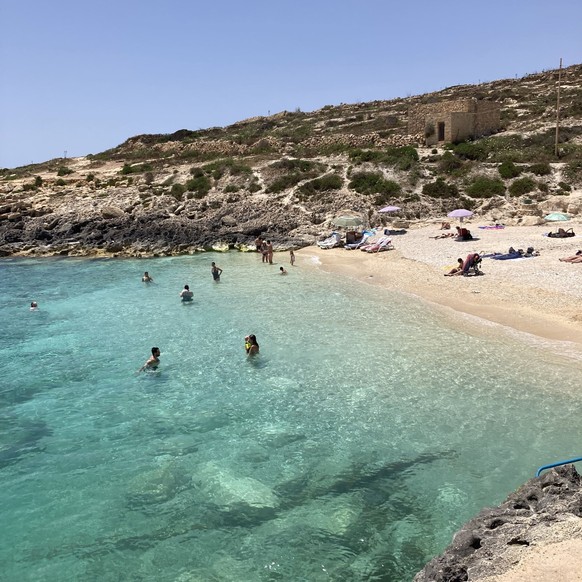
(153, 361)
(291, 257)
(186, 294)
(251, 345)
(216, 272)
(146, 278)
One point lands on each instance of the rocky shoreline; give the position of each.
(544, 511)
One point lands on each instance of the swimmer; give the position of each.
(153, 361)
(186, 294)
(146, 278)
(216, 272)
(251, 345)
(33, 306)
(282, 271)
(291, 257)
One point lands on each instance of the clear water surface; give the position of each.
(364, 434)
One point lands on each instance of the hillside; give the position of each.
(285, 176)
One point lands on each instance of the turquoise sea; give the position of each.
(369, 428)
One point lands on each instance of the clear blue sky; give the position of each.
(83, 77)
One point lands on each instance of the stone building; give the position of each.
(454, 121)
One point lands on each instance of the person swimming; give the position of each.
(33, 306)
(251, 345)
(153, 361)
(186, 294)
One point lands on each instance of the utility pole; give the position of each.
(556, 150)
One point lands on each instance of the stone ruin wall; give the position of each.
(462, 117)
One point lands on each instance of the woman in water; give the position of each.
(216, 272)
(251, 345)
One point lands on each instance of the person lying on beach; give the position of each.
(153, 361)
(444, 235)
(562, 233)
(458, 270)
(445, 225)
(577, 258)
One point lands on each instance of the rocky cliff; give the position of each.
(286, 176)
(546, 510)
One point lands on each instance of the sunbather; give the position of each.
(464, 234)
(458, 270)
(577, 258)
(472, 262)
(562, 233)
(444, 235)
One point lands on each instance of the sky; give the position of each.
(78, 78)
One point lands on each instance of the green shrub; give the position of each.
(254, 187)
(90, 177)
(284, 182)
(297, 165)
(60, 182)
(573, 170)
(508, 170)
(135, 168)
(369, 183)
(470, 151)
(221, 167)
(177, 191)
(401, 157)
(199, 186)
(565, 186)
(449, 163)
(440, 189)
(483, 187)
(37, 182)
(540, 169)
(64, 171)
(231, 188)
(326, 183)
(522, 186)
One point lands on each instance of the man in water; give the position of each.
(216, 272)
(33, 306)
(186, 294)
(146, 278)
(153, 361)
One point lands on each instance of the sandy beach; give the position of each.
(540, 296)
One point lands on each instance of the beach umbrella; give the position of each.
(556, 217)
(347, 221)
(390, 209)
(460, 213)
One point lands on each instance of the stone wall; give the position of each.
(462, 119)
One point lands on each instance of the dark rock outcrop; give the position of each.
(544, 510)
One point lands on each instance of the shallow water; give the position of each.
(364, 434)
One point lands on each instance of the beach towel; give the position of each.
(494, 227)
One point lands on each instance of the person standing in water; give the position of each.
(146, 278)
(291, 257)
(216, 272)
(270, 252)
(33, 306)
(251, 345)
(186, 294)
(153, 361)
